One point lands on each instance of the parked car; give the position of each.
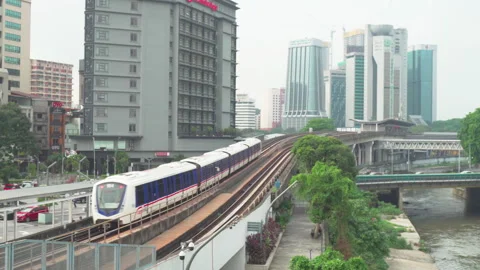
(464, 172)
(419, 173)
(9, 215)
(11, 186)
(29, 184)
(31, 213)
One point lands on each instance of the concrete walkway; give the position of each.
(296, 240)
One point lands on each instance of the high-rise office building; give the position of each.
(335, 96)
(305, 91)
(258, 119)
(354, 41)
(81, 80)
(52, 81)
(158, 72)
(422, 82)
(354, 88)
(272, 108)
(385, 58)
(15, 43)
(245, 112)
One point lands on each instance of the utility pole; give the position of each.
(94, 160)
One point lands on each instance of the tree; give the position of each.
(451, 125)
(122, 159)
(72, 162)
(329, 260)
(319, 124)
(312, 148)
(327, 191)
(178, 157)
(419, 129)
(470, 134)
(32, 170)
(15, 134)
(8, 171)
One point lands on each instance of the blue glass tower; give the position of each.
(305, 92)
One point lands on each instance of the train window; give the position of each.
(147, 195)
(161, 189)
(140, 195)
(178, 184)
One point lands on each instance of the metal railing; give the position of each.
(417, 177)
(40, 254)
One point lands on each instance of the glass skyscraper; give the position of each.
(305, 93)
(422, 82)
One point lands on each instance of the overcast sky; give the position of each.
(266, 27)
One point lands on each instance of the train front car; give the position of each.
(109, 199)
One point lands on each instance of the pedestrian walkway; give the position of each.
(296, 240)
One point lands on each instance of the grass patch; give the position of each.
(423, 247)
(393, 232)
(387, 209)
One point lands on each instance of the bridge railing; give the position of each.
(417, 177)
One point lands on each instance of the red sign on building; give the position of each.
(206, 3)
(162, 154)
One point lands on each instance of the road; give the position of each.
(27, 228)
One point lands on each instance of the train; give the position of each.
(125, 198)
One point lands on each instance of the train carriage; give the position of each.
(237, 156)
(130, 196)
(254, 147)
(213, 167)
(141, 193)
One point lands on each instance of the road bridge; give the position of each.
(395, 183)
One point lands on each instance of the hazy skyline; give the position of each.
(266, 27)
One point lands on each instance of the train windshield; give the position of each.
(110, 196)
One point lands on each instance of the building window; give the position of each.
(133, 83)
(133, 98)
(101, 67)
(102, 51)
(101, 127)
(102, 97)
(101, 82)
(13, 25)
(133, 53)
(133, 113)
(11, 48)
(134, 21)
(133, 68)
(15, 84)
(17, 3)
(13, 14)
(134, 6)
(13, 37)
(132, 128)
(13, 72)
(102, 19)
(102, 35)
(133, 37)
(102, 3)
(12, 60)
(101, 112)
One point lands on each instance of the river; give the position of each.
(452, 235)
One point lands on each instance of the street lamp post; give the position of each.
(94, 160)
(149, 160)
(48, 169)
(80, 163)
(38, 167)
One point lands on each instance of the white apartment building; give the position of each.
(272, 110)
(245, 112)
(15, 43)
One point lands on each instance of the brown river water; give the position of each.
(452, 234)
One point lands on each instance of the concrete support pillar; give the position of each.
(359, 154)
(400, 199)
(472, 203)
(369, 153)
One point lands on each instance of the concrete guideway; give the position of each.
(440, 180)
(39, 192)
